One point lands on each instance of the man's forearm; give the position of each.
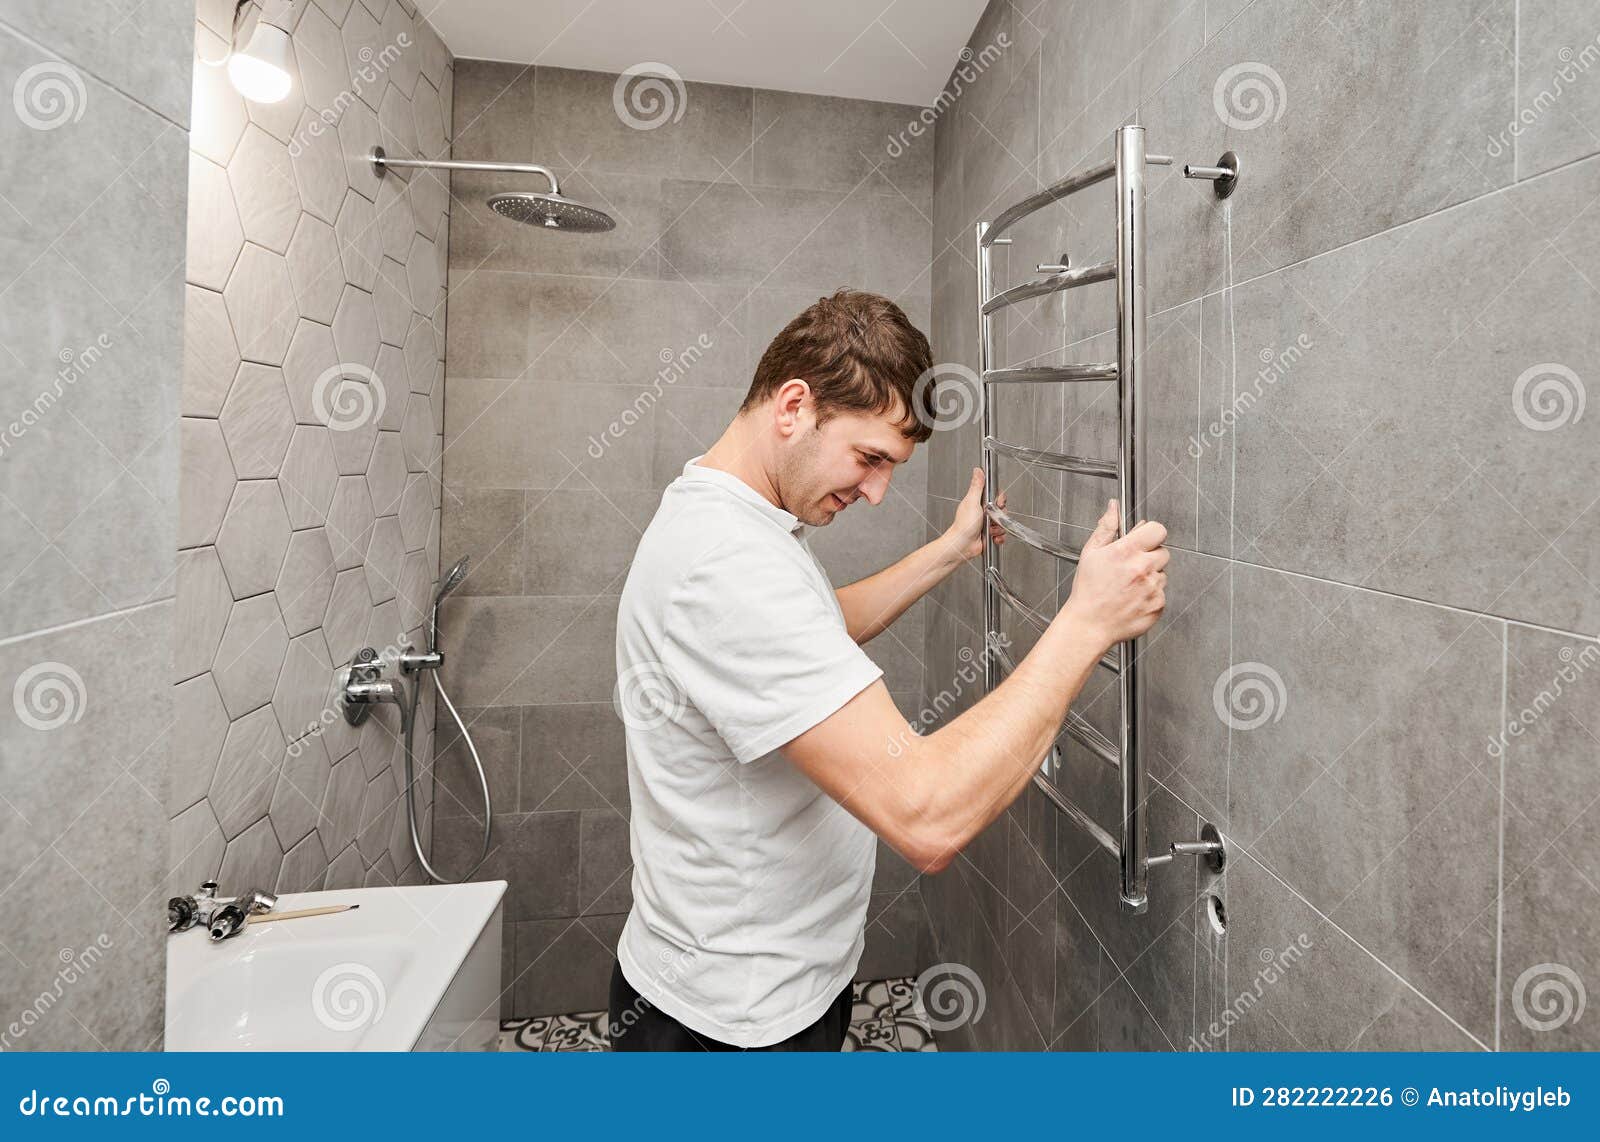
(871, 604)
(982, 760)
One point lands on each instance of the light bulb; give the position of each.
(260, 72)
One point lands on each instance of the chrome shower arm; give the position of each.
(381, 161)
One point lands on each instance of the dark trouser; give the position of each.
(638, 1025)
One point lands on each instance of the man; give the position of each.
(764, 751)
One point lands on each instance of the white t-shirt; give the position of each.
(750, 884)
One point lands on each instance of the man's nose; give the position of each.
(876, 486)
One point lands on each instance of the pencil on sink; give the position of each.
(264, 917)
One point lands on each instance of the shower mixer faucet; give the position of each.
(365, 687)
(222, 916)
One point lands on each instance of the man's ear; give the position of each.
(790, 406)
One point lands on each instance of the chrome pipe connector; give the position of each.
(1224, 176)
(414, 661)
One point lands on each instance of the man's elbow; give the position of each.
(926, 849)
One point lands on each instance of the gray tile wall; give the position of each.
(561, 431)
(93, 156)
(308, 522)
(1385, 552)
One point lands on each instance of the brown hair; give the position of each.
(859, 353)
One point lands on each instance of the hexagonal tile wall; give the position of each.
(304, 267)
(254, 536)
(210, 352)
(257, 421)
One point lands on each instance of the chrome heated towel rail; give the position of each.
(1127, 270)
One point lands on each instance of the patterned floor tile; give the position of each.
(872, 1035)
(583, 1032)
(524, 1034)
(885, 1015)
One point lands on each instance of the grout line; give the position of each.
(1516, 166)
(1500, 869)
(121, 613)
(1233, 495)
(89, 73)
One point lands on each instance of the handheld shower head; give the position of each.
(447, 583)
(452, 579)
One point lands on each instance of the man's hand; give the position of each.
(1120, 588)
(965, 537)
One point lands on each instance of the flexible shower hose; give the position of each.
(408, 712)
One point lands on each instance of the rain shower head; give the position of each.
(551, 212)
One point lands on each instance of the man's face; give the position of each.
(849, 457)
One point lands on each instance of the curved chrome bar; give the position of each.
(381, 161)
(1052, 374)
(1053, 283)
(1060, 461)
(1032, 538)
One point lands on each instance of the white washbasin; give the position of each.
(414, 968)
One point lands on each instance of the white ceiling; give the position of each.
(897, 51)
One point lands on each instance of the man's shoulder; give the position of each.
(699, 539)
